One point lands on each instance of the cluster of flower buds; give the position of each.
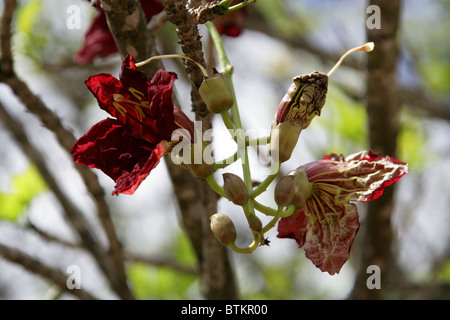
(293, 189)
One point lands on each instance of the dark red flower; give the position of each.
(231, 24)
(99, 41)
(128, 147)
(328, 222)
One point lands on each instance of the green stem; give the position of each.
(240, 5)
(278, 216)
(227, 120)
(266, 182)
(268, 211)
(215, 186)
(252, 247)
(258, 141)
(242, 148)
(226, 162)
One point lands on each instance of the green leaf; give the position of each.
(26, 186)
(413, 143)
(27, 15)
(151, 282)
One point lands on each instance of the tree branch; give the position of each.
(37, 267)
(113, 263)
(383, 109)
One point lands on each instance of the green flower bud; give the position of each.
(216, 92)
(235, 189)
(285, 191)
(223, 228)
(283, 139)
(303, 188)
(254, 223)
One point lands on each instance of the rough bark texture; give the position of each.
(197, 201)
(383, 120)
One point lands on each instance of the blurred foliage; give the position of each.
(31, 30)
(26, 186)
(41, 39)
(151, 282)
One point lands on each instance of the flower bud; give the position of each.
(284, 138)
(303, 188)
(254, 223)
(223, 228)
(235, 189)
(216, 92)
(285, 190)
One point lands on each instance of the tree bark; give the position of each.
(383, 107)
(197, 202)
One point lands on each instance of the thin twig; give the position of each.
(113, 267)
(161, 262)
(37, 267)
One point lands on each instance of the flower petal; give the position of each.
(131, 77)
(129, 181)
(331, 232)
(294, 227)
(127, 160)
(98, 42)
(359, 177)
(103, 86)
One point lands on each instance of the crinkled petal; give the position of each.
(294, 227)
(127, 160)
(103, 86)
(129, 181)
(98, 41)
(331, 232)
(359, 177)
(131, 77)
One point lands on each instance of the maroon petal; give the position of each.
(331, 232)
(103, 86)
(127, 160)
(129, 181)
(358, 177)
(294, 227)
(98, 42)
(131, 77)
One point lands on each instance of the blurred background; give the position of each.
(281, 39)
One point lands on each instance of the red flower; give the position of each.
(231, 24)
(129, 147)
(99, 42)
(328, 222)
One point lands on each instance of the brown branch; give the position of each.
(383, 109)
(128, 25)
(74, 216)
(217, 276)
(5, 36)
(37, 267)
(114, 265)
(161, 262)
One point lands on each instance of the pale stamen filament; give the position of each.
(205, 74)
(367, 48)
